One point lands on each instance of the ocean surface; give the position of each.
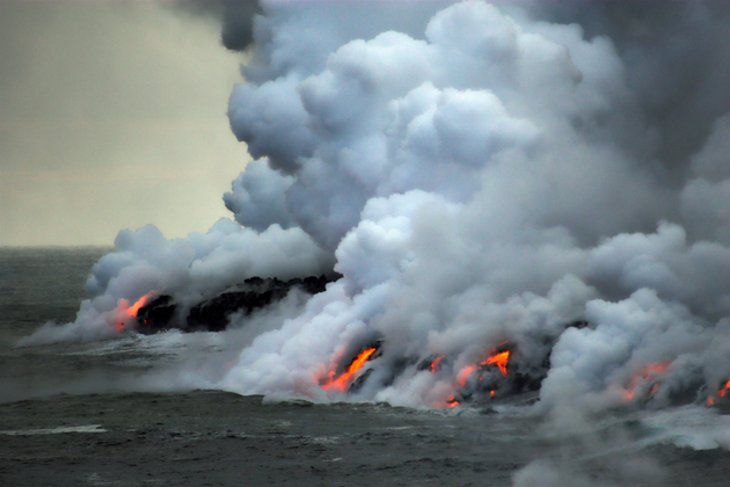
(104, 414)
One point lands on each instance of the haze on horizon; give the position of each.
(112, 116)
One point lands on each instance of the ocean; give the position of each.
(108, 413)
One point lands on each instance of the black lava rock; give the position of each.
(213, 314)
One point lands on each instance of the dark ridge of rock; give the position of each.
(396, 367)
(359, 382)
(156, 315)
(213, 314)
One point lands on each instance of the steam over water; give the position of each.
(108, 413)
(550, 179)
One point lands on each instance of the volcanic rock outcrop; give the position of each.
(213, 314)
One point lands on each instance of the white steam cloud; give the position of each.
(479, 174)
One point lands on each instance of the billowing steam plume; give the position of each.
(548, 182)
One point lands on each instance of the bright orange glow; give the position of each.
(340, 383)
(126, 312)
(723, 390)
(452, 402)
(655, 369)
(433, 367)
(465, 373)
(499, 359)
(134, 309)
(650, 372)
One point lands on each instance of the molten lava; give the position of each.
(649, 373)
(499, 359)
(465, 373)
(134, 309)
(434, 365)
(341, 382)
(452, 402)
(723, 390)
(127, 312)
(131, 311)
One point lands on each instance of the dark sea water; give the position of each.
(88, 414)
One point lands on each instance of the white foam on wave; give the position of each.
(86, 428)
(171, 342)
(693, 426)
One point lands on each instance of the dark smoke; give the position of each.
(675, 64)
(236, 18)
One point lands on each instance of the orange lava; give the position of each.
(499, 359)
(131, 311)
(452, 402)
(341, 382)
(433, 367)
(465, 373)
(134, 309)
(650, 372)
(655, 368)
(723, 390)
(127, 312)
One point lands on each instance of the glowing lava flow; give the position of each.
(129, 312)
(499, 359)
(651, 371)
(722, 392)
(134, 309)
(724, 389)
(465, 373)
(341, 382)
(452, 402)
(434, 365)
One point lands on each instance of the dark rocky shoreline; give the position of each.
(213, 313)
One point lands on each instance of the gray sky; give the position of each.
(112, 115)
